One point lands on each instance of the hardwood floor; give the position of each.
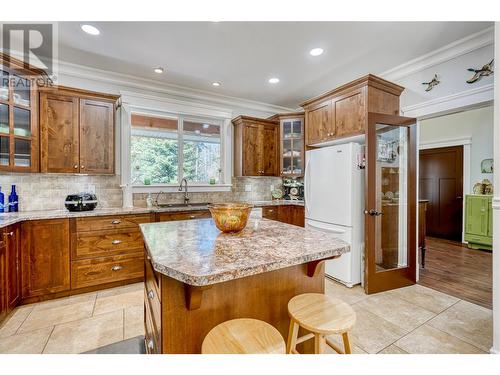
(453, 268)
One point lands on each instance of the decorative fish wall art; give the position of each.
(432, 83)
(485, 71)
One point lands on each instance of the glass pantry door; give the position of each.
(390, 208)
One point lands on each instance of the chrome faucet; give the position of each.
(186, 195)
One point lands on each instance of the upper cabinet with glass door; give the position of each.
(291, 144)
(18, 118)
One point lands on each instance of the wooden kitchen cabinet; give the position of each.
(291, 143)
(13, 265)
(255, 146)
(77, 131)
(343, 112)
(19, 148)
(289, 214)
(3, 277)
(45, 257)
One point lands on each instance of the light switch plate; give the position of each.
(271, 187)
(248, 187)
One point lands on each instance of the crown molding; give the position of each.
(128, 81)
(450, 51)
(473, 98)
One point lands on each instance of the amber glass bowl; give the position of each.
(230, 217)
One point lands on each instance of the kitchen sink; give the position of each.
(177, 205)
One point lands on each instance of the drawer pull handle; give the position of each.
(192, 217)
(151, 294)
(116, 268)
(116, 222)
(151, 344)
(116, 242)
(10, 234)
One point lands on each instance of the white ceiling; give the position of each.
(244, 55)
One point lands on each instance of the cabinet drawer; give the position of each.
(97, 271)
(184, 215)
(152, 339)
(154, 307)
(152, 278)
(105, 243)
(270, 213)
(86, 224)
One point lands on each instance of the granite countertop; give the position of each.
(12, 218)
(195, 252)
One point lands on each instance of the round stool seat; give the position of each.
(243, 336)
(321, 314)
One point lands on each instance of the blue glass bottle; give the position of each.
(13, 200)
(2, 209)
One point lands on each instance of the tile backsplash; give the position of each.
(48, 191)
(40, 191)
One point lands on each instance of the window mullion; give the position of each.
(180, 156)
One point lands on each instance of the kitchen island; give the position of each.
(197, 277)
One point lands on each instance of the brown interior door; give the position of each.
(390, 203)
(441, 182)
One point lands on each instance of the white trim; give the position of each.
(473, 98)
(198, 188)
(466, 143)
(450, 51)
(134, 82)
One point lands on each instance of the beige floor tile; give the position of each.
(119, 300)
(65, 301)
(426, 298)
(392, 349)
(429, 340)
(27, 343)
(348, 295)
(87, 334)
(134, 322)
(469, 322)
(397, 311)
(121, 290)
(373, 333)
(58, 312)
(12, 324)
(337, 339)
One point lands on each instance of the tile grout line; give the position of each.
(95, 303)
(24, 320)
(48, 338)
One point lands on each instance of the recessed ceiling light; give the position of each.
(274, 80)
(89, 29)
(316, 51)
(216, 84)
(158, 70)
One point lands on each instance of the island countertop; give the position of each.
(196, 253)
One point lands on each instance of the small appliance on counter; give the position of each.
(81, 202)
(293, 189)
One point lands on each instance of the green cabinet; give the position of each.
(479, 221)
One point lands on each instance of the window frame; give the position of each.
(182, 111)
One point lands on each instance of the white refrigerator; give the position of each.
(334, 200)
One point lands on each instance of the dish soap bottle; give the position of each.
(2, 209)
(13, 200)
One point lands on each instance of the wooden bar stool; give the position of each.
(322, 316)
(243, 336)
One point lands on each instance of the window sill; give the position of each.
(198, 188)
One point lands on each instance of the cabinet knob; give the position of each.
(82, 167)
(116, 242)
(192, 217)
(116, 268)
(151, 344)
(151, 294)
(10, 234)
(116, 222)
(75, 166)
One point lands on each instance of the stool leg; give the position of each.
(293, 333)
(319, 341)
(347, 345)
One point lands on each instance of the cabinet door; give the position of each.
(3, 278)
(59, 133)
(251, 150)
(350, 114)
(477, 215)
(45, 258)
(13, 262)
(319, 123)
(269, 153)
(96, 137)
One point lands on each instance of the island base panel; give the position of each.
(264, 296)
